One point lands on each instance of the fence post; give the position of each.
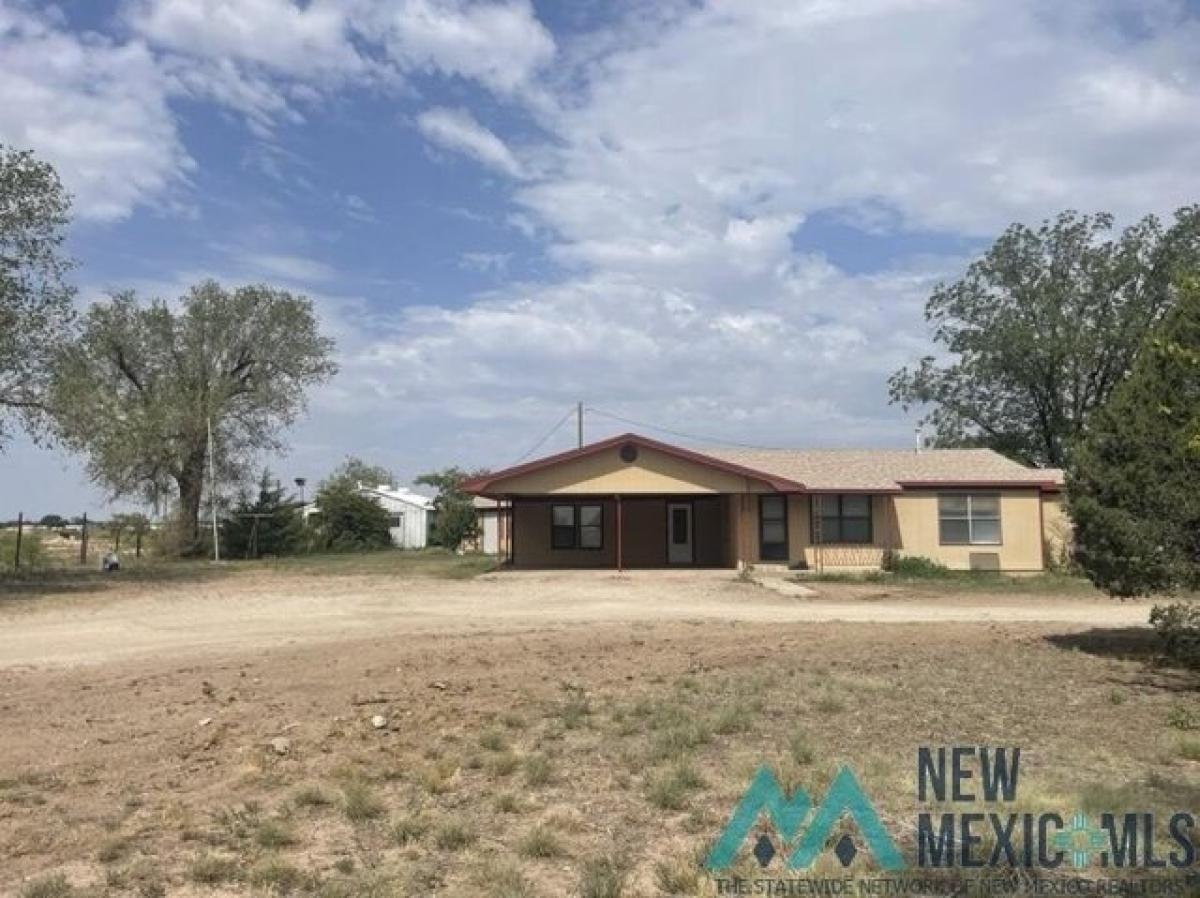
(138, 544)
(83, 541)
(17, 553)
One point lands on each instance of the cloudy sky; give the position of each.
(720, 218)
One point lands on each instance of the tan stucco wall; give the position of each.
(1057, 529)
(726, 532)
(653, 473)
(1020, 548)
(907, 523)
(857, 555)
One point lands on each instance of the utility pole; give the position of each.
(579, 422)
(212, 493)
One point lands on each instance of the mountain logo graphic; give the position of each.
(806, 835)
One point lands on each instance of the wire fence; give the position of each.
(25, 544)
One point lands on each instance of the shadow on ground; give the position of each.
(1131, 644)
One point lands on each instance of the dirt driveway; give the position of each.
(248, 611)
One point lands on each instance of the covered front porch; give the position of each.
(625, 532)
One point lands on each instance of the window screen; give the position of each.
(969, 519)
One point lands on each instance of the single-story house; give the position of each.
(634, 502)
(411, 514)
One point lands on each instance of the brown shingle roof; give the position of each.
(887, 469)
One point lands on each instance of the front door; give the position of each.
(679, 532)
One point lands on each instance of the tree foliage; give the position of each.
(1134, 487)
(35, 299)
(354, 472)
(455, 520)
(350, 521)
(137, 390)
(1042, 329)
(268, 523)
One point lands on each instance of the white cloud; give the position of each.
(301, 40)
(501, 45)
(264, 266)
(96, 109)
(685, 156)
(494, 263)
(263, 57)
(457, 129)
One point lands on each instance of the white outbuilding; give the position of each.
(411, 514)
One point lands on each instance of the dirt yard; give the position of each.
(533, 734)
(256, 610)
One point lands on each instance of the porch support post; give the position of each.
(620, 528)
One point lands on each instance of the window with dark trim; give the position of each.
(772, 528)
(969, 519)
(577, 526)
(844, 518)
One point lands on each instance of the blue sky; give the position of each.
(722, 218)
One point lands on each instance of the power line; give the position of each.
(677, 433)
(549, 433)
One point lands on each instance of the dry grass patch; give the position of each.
(540, 843)
(671, 789)
(52, 886)
(603, 877)
(280, 877)
(539, 770)
(311, 797)
(212, 870)
(1189, 748)
(360, 804)
(409, 830)
(502, 879)
(679, 875)
(454, 835)
(508, 803)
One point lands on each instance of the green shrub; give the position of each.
(1178, 626)
(916, 566)
(350, 522)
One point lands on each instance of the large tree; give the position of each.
(1042, 329)
(455, 520)
(138, 390)
(35, 298)
(354, 472)
(1134, 486)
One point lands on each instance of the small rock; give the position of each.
(281, 745)
(379, 721)
(437, 684)
(206, 721)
